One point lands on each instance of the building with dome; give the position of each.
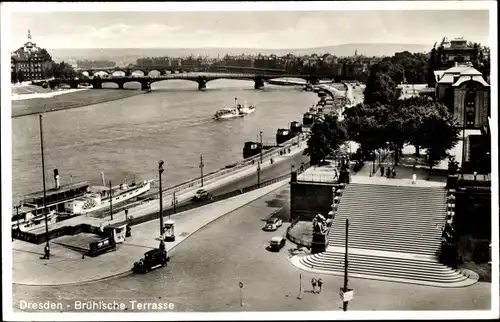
(30, 60)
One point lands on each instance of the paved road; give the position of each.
(278, 169)
(205, 270)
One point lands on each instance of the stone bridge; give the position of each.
(200, 78)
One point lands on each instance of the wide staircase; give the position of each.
(394, 235)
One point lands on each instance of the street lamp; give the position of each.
(160, 171)
(47, 246)
(258, 174)
(260, 135)
(201, 168)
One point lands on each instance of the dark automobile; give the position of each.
(277, 243)
(201, 194)
(153, 259)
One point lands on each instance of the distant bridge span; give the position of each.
(200, 78)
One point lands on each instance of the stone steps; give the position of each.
(384, 267)
(389, 228)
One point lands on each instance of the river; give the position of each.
(126, 138)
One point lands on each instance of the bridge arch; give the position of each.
(118, 73)
(138, 72)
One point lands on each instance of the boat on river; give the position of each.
(227, 113)
(100, 197)
(236, 111)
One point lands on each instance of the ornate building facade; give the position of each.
(466, 93)
(30, 61)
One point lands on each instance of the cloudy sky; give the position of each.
(271, 29)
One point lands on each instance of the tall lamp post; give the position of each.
(345, 289)
(201, 168)
(260, 135)
(258, 174)
(160, 171)
(47, 246)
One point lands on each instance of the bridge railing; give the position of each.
(231, 168)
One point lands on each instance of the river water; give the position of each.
(126, 138)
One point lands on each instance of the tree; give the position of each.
(439, 132)
(432, 66)
(380, 88)
(365, 125)
(327, 135)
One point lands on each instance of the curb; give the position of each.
(129, 271)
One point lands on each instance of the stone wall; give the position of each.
(307, 199)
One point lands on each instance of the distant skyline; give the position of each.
(245, 29)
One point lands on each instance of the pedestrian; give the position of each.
(382, 169)
(320, 284)
(414, 178)
(313, 282)
(388, 172)
(393, 172)
(162, 244)
(335, 173)
(83, 255)
(47, 252)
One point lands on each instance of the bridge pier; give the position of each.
(96, 85)
(73, 85)
(120, 85)
(202, 83)
(146, 86)
(313, 80)
(259, 82)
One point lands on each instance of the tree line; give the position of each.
(383, 122)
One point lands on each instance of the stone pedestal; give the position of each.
(319, 243)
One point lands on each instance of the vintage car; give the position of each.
(153, 259)
(201, 194)
(277, 243)
(273, 224)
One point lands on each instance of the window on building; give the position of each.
(470, 107)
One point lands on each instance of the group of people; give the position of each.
(391, 172)
(316, 282)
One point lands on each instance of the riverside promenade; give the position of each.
(67, 266)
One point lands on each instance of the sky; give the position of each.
(245, 29)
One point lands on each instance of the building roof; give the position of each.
(465, 72)
(475, 78)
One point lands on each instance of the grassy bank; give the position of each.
(70, 100)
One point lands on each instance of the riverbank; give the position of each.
(69, 100)
(32, 95)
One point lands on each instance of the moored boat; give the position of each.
(100, 197)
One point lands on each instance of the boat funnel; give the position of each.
(102, 177)
(56, 178)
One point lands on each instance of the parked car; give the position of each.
(201, 194)
(273, 224)
(153, 259)
(277, 243)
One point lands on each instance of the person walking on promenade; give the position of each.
(320, 284)
(414, 178)
(393, 172)
(335, 173)
(382, 169)
(47, 252)
(313, 282)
